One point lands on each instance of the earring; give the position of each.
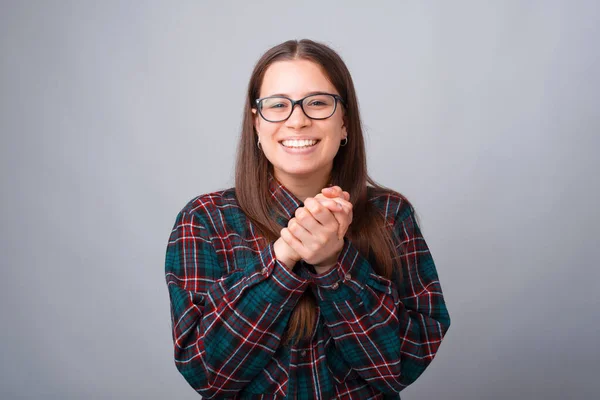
(344, 142)
(258, 144)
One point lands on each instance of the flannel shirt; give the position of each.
(231, 300)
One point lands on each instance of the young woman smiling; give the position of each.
(307, 280)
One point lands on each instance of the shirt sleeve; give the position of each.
(225, 328)
(388, 331)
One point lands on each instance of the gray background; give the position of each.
(115, 114)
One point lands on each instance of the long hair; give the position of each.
(368, 231)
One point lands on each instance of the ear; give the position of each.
(344, 130)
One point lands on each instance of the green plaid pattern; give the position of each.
(231, 300)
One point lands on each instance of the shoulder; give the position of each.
(211, 204)
(392, 204)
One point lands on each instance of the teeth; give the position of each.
(299, 143)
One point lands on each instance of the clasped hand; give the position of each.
(316, 233)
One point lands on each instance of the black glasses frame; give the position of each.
(336, 98)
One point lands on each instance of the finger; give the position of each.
(340, 193)
(336, 191)
(340, 213)
(317, 232)
(346, 205)
(344, 223)
(330, 225)
(331, 204)
(339, 199)
(319, 212)
(306, 220)
(292, 241)
(299, 231)
(333, 191)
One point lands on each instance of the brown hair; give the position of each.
(369, 230)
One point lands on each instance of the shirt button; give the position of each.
(335, 286)
(347, 277)
(264, 271)
(303, 353)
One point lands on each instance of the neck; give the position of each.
(304, 186)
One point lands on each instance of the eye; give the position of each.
(319, 101)
(275, 103)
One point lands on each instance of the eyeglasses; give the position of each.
(314, 106)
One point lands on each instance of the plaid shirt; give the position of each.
(231, 300)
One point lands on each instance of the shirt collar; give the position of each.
(287, 201)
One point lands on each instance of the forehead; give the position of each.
(295, 78)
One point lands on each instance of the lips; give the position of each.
(299, 143)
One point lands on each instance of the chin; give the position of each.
(303, 171)
(300, 172)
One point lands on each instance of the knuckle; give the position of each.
(311, 203)
(322, 240)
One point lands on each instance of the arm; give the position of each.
(388, 331)
(225, 328)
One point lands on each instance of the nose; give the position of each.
(298, 119)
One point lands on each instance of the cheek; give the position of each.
(334, 130)
(338, 123)
(266, 129)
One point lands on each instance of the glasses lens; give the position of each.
(319, 106)
(275, 108)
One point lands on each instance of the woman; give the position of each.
(307, 280)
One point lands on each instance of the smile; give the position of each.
(299, 144)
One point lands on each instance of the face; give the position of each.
(299, 148)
